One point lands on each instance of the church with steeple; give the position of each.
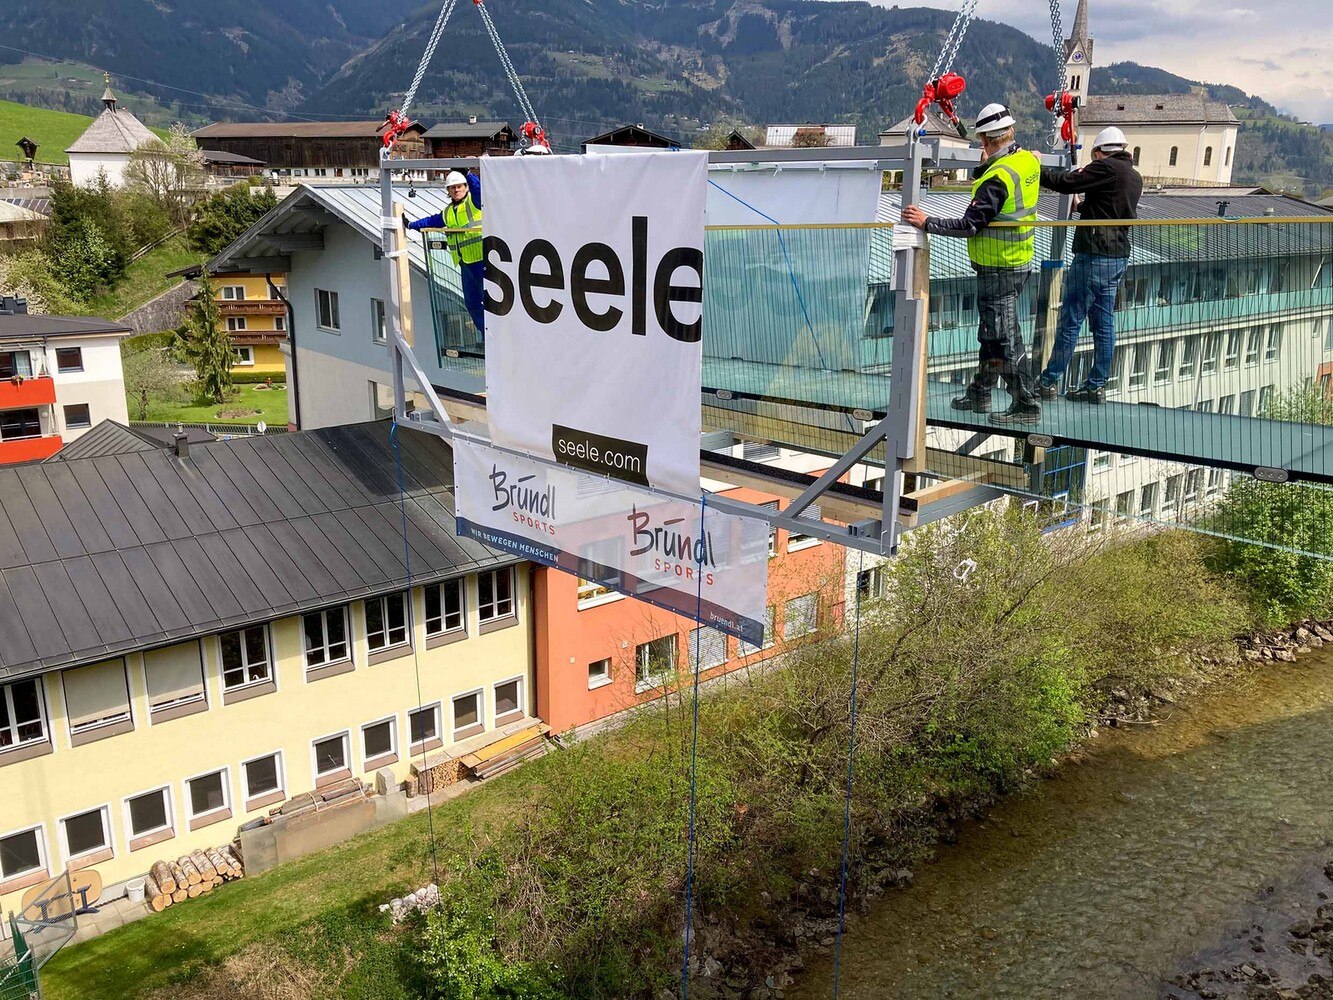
(1177, 140)
(105, 146)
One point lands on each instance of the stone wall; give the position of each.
(166, 312)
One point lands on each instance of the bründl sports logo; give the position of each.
(675, 551)
(530, 503)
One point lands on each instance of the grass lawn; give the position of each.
(144, 279)
(268, 405)
(53, 131)
(303, 926)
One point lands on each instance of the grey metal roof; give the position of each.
(106, 438)
(356, 205)
(297, 130)
(222, 156)
(113, 131)
(100, 556)
(467, 130)
(39, 205)
(34, 325)
(1150, 109)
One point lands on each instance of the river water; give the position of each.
(1156, 853)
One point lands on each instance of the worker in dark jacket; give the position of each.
(1004, 189)
(1111, 188)
(462, 219)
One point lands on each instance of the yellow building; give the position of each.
(256, 319)
(218, 627)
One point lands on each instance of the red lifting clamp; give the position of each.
(1065, 106)
(536, 136)
(944, 91)
(398, 124)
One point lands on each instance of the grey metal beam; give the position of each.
(254, 265)
(838, 469)
(290, 242)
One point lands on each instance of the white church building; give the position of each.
(105, 146)
(1176, 139)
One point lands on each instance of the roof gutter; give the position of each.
(293, 380)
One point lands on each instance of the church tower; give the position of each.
(1078, 55)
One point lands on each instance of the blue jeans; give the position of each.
(1090, 290)
(474, 293)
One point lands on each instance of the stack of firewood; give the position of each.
(191, 875)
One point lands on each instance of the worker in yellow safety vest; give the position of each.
(462, 219)
(1004, 189)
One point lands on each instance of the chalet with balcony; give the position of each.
(629, 135)
(471, 138)
(59, 375)
(330, 151)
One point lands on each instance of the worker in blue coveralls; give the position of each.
(462, 219)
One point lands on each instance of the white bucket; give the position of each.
(134, 890)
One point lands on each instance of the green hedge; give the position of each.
(257, 378)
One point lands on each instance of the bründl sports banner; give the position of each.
(594, 312)
(623, 538)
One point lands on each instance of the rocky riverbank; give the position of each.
(805, 926)
(1273, 957)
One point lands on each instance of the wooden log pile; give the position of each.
(191, 875)
(343, 792)
(436, 771)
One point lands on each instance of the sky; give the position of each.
(1281, 50)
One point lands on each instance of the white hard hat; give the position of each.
(1110, 137)
(994, 118)
(454, 178)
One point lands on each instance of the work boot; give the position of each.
(1046, 390)
(1018, 413)
(1087, 394)
(977, 402)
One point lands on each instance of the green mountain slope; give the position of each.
(587, 63)
(53, 131)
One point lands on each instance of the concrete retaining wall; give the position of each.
(286, 839)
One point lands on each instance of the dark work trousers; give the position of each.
(474, 294)
(1001, 353)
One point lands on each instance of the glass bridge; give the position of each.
(1221, 374)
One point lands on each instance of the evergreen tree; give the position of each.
(208, 345)
(223, 217)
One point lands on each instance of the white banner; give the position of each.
(622, 537)
(594, 302)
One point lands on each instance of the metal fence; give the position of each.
(43, 927)
(223, 431)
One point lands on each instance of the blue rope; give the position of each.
(791, 269)
(694, 760)
(416, 655)
(847, 803)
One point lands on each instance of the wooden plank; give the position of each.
(505, 745)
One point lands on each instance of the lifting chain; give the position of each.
(949, 51)
(426, 56)
(523, 103)
(1058, 42)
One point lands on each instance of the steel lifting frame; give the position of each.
(901, 431)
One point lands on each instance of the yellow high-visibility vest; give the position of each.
(1020, 172)
(463, 214)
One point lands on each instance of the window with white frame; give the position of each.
(175, 678)
(326, 310)
(207, 793)
(1123, 501)
(1138, 371)
(870, 583)
(1172, 496)
(423, 724)
(379, 326)
(1148, 500)
(468, 718)
(149, 813)
(1101, 461)
(379, 740)
(237, 324)
(1231, 359)
(263, 775)
(599, 673)
(22, 852)
(800, 616)
(233, 293)
(795, 539)
(509, 703)
(1273, 349)
(1096, 516)
(242, 357)
(280, 323)
(1226, 404)
(1117, 366)
(77, 415)
(1193, 484)
(747, 649)
(1252, 345)
(97, 698)
(332, 754)
(1215, 481)
(1189, 356)
(446, 607)
(1166, 353)
(86, 833)
(325, 637)
(1265, 399)
(22, 718)
(245, 657)
(707, 648)
(654, 661)
(1208, 361)
(1247, 403)
(386, 621)
(495, 594)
